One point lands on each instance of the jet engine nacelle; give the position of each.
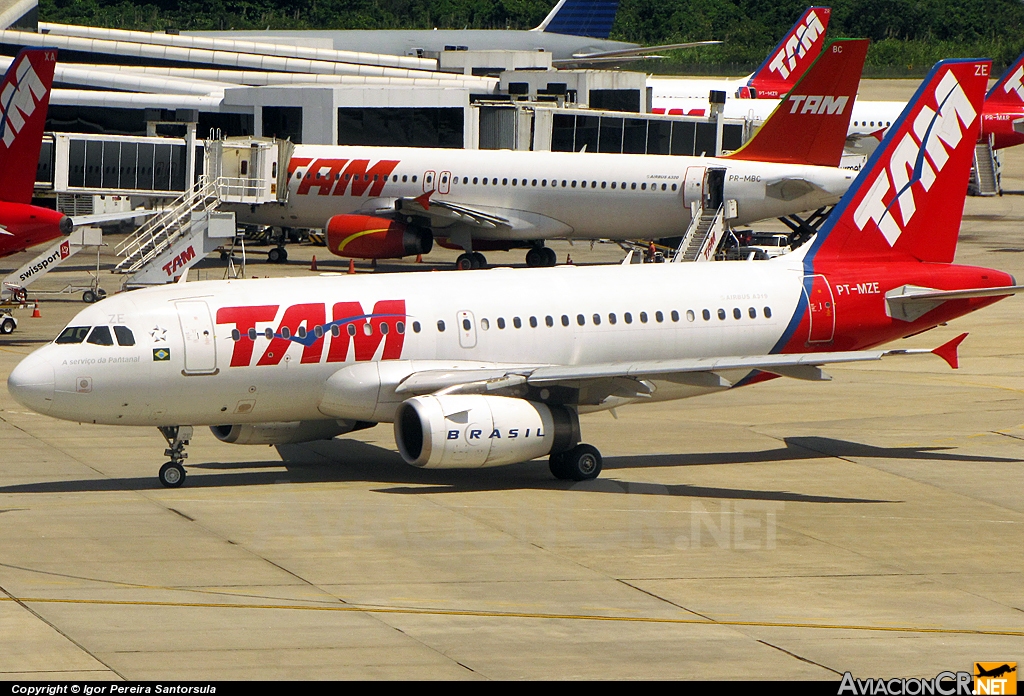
(461, 431)
(284, 433)
(369, 237)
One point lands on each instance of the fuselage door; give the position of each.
(198, 337)
(467, 329)
(714, 188)
(428, 181)
(693, 186)
(821, 309)
(444, 182)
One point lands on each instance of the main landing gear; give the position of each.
(470, 260)
(541, 256)
(581, 463)
(172, 474)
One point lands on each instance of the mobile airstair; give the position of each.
(985, 176)
(703, 236)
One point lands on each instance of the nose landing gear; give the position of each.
(172, 474)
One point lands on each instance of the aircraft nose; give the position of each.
(32, 384)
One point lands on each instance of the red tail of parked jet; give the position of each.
(794, 54)
(1003, 118)
(24, 98)
(809, 125)
(880, 268)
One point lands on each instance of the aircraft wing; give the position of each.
(626, 54)
(80, 220)
(445, 214)
(598, 381)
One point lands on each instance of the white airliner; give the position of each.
(490, 368)
(378, 202)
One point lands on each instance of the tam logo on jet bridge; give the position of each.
(331, 177)
(922, 152)
(818, 104)
(797, 46)
(17, 103)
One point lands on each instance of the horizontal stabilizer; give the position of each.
(638, 53)
(909, 302)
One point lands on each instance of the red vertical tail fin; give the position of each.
(809, 125)
(24, 98)
(1010, 87)
(788, 61)
(908, 200)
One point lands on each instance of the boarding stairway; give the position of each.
(703, 235)
(985, 175)
(185, 232)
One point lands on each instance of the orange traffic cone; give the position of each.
(568, 259)
(419, 258)
(312, 264)
(351, 265)
(36, 314)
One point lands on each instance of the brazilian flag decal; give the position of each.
(161, 354)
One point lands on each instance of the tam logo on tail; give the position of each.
(922, 152)
(793, 55)
(1013, 83)
(19, 98)
(799, 42)
(24, 99)
(909, 198)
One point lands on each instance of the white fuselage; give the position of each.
(194, 362)
(544, 195)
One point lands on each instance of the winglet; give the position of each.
(947, 351)
(424, 200)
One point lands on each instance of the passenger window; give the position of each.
(335, 331)
(501, 322)
(416, 327)
(476, 180)
(643, 187)
(752, 312)
(549, 320)
(466, 326)
(721, 314)
(659, 317)
(504, 182)
(440, 325)
(690, 315)
(485, 324)
(533, 322)
(236, 335)
(614, 184)
(597, 320)
(368, 329)
(633, 186)
(675, 315)
(383, 329)
(706, 314)
(580, 319)
(628, 317)
(399, 327)
(643, 317)
(73, 334)
(736, 313)
(611, 318)
(517, 322)
(565, 320)
(767, 312)
(100, 336)
(351, 329)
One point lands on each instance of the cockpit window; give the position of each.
(100, 336)
(73, 334)
(124, 336)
